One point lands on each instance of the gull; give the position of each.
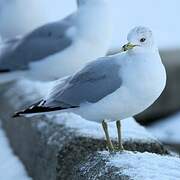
(61, 48)
(110, 88)
(16, 16)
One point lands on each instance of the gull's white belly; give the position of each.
(134, 96)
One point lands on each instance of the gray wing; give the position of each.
(91, 84)
(42, 42)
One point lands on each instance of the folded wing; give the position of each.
(91, 84)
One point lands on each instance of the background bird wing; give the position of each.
(42, 42)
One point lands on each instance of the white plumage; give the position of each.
(112, 88)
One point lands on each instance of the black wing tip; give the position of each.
(39, 108)
(29, 110)
(16, 115)
(24, 112)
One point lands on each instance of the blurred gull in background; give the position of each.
(19, 17)
(60, 48)
(111, 88)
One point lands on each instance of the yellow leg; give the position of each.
(120, 145)
(108, 140)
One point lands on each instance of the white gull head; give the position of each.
(142, 39)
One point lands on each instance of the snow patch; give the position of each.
(145, 166)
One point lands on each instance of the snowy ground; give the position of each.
(10, 166)
(145, 166)
(167, 130)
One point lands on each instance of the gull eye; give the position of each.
(142, 39)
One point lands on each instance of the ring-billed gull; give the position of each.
(61, 48)
(111, 88)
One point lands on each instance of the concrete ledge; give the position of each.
(60, 147)
(128, 166)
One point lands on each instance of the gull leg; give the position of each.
(120, 145)
(108, 140)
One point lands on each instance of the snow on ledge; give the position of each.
(145, 166)
(131, 130)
